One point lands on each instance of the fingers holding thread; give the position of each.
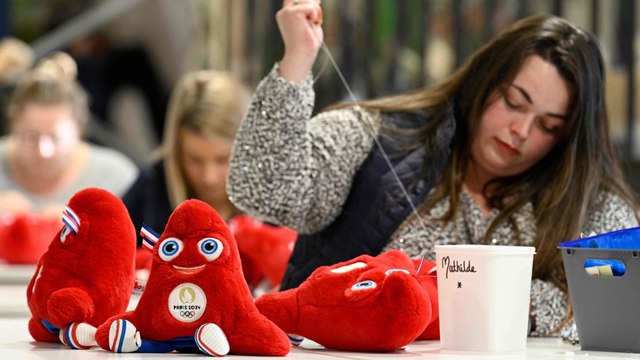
(313, 7)
(299, 23)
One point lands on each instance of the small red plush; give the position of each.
(196, 297)
(25, 237)
(264, 250)
(365, 304)
(87, 274)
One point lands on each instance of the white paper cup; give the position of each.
(483, 295)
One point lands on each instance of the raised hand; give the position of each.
(300, 24)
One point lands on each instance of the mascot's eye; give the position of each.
(396, 270)
(63, 234)
(364, 285)
(170, 248)
(211, 248)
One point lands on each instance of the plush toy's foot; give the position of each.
(78, 336)
(124, 337)
(295, 339)
(211, 340)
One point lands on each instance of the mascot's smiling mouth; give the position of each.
(189, 270)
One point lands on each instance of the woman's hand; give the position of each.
(300, 24)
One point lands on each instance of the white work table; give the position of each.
(16, 342)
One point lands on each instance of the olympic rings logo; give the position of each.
(187, 314)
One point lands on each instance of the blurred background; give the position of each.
(130, 52)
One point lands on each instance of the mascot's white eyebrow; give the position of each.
(347, 268)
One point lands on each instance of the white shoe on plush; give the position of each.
(211, 340)
(124, 337)
(78, 336)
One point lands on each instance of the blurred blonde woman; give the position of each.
(204, 113)
(44, 159)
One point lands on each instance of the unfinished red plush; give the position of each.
(365, 304)
(264, 250)
(196, 297)
(25, 237)
(87, 274)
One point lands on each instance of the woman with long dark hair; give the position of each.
(512, 149)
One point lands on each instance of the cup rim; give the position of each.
(487, 249)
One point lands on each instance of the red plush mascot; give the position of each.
(364, 304)
(87, 274)
(196, 297)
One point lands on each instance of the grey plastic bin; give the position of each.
(606, 309)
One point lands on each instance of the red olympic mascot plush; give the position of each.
(87, 274)
(196, 297)
(364, 304)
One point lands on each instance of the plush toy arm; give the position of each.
(427, 278)
(259, 336)
(70, 305)
(281, 308)
(40, 333)
(32, 282)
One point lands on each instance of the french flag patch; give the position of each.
(71, 220)
(149, 237)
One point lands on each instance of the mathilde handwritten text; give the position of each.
(454, 266)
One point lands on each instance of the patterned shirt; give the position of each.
(296, 170)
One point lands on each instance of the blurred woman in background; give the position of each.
(44, 158)
(45, 161)
(204, 112)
